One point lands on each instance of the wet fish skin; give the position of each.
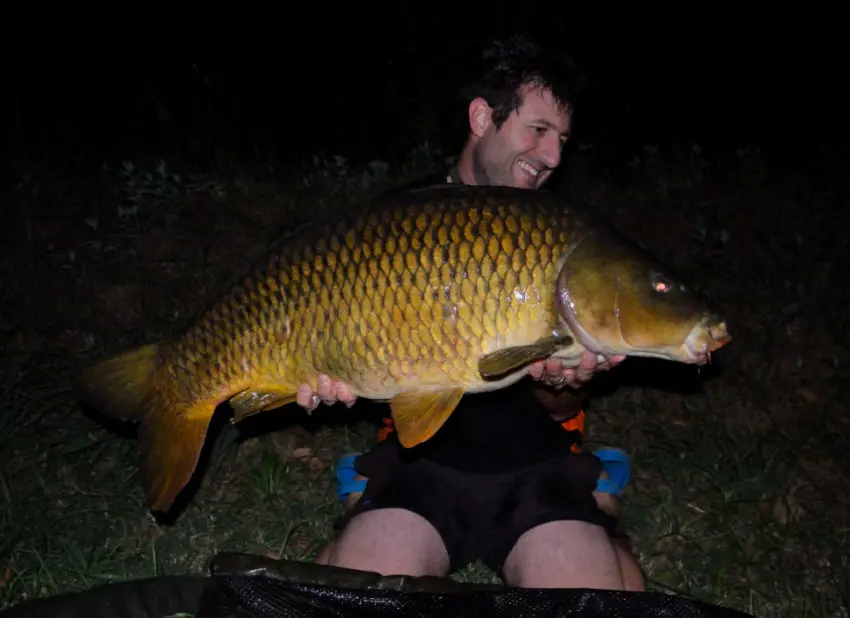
(427, 296)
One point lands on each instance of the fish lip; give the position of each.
(697, 349)
(693, 354)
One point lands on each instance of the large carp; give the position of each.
(425, 296)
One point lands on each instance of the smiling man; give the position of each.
(520, 112)
(504, 480)
(521, 150)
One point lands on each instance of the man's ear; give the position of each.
(480, 116)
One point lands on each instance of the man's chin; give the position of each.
(524, 181)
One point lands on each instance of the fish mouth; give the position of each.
(708, 336)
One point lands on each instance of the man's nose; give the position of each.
(550, 151)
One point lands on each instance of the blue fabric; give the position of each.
(345, 473)
(614, 461)
(618, 466)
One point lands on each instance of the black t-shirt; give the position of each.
(495, 431)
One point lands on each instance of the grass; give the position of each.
(738, 495)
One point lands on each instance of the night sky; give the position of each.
(368, 85)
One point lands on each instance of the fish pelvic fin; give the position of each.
(130, 386)
(418, 414)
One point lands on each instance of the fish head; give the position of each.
(616, 298)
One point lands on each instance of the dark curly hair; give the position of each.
(512, 64)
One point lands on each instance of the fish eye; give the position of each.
(661, 284)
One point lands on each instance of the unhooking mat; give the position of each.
(246, 586)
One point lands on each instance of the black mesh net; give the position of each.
(244, 586)
(262, 597)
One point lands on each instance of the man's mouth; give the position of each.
(529, 170)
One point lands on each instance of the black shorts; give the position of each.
(481, 516)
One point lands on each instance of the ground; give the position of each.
(739, 495)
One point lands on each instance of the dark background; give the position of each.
(373, 81)
(741, 484)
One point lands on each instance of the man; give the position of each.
(502, 480)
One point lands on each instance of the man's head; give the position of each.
(520, 114)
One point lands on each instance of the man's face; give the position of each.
(526, 149)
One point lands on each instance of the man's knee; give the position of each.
(564, 554)
(633, 578)
(390, 542)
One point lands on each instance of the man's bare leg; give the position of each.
(633, 578)
(565, 554)
(389, 542)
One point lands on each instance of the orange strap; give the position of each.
(575, 423)
(386, 430)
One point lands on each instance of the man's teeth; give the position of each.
(528, 169)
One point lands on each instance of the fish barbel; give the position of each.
(425, 296)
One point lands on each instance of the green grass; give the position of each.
(739, 497)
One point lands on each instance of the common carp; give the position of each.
(424, 296)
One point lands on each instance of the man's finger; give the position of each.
(576, 382)
(536, 370)
(587, 362)
(304, 397)
(554, 371)
(343, 394)
(325, 390)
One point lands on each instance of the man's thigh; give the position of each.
(390, 541)
(564, 554)
(555, 494)
(411, 521)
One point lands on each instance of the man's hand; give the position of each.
(328, 392)
(553, 373)
(550, 372)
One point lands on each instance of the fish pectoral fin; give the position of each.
(260, 399)
(417, 415)
(500, 362)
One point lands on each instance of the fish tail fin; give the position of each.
(172, 431)
(171, 440)
(123, 386)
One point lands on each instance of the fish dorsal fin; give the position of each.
(418, 414)
(259, 399)
(506, 360)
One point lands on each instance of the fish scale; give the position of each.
(424, 297)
